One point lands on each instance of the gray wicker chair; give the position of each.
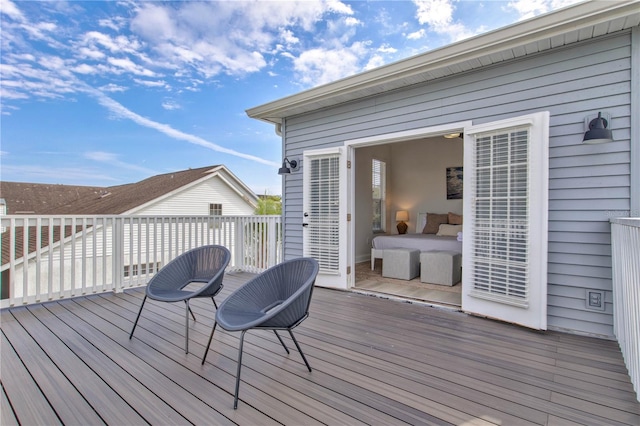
(193, 274)
(277, 299)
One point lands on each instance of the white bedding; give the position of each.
(421, 242)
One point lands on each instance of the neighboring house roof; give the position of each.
(48, 199)
(122, 199)
(572, 24)
(39, 198)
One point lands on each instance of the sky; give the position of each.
(104, 93)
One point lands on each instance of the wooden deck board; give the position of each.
(375, 361)
(74, 410)
(29, 404)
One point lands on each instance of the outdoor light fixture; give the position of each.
(284, 170)
(402, 216)
(598, 132)
(454, 135)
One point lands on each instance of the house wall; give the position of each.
(416, 182)
(194, 200)
(588, 183)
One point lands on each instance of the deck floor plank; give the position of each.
(60, 392)
(7, 416)
(107, 403)
(29, 403)
(131, 377)
(375, 361)
(183, 370)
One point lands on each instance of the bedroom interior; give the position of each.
(422, 176)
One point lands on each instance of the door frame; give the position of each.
(383, 139)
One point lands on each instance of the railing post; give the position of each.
(272, 240)
(117, 239)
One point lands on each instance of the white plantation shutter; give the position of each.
(323, 238)
(500, 217)
(378, 194)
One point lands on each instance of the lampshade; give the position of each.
(454, 135)
(402, 216)
(598, 132)
(284, 170)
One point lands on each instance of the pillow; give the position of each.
(446, 230)
(433, 222)
(455, 219)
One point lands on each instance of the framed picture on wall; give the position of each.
(454, 183)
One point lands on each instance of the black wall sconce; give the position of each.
(598, 132)
(284, 170)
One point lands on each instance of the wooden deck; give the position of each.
(375, 361)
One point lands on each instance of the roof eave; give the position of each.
(521, 33)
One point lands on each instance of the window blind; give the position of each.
(500, 241)
(378, 179)
(323, 208)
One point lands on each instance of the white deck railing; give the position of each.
(54, 257)
(625, 250)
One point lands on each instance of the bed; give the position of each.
(417, 240)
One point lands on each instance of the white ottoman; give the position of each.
(401, 263)
(440, 267)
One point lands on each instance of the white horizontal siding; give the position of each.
(587, 183)
(194, 201)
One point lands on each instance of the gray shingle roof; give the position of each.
(33, 198)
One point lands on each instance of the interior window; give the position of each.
(378, 179)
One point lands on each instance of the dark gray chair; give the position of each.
(195, 273)
(277, 299)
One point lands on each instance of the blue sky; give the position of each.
(104, 93)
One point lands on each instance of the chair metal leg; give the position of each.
(299, 350)
(235, 399)
(214, 303)
(137, 318)
(206, 351)
(190, 311)
(281, 341)
(186, 327)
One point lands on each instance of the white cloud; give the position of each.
(115, 23)
(113, 88)
(529, 8)
(386, 48)
(84, 69)
(112, 159)
(227, 37)
(171, 105)
(416, 35)
(288, 37)
(352, 22)
(127, 65)
(435, 13)
(375, 62)
(320, 66)
(8, 8)
(149, 83)
(121, 111)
